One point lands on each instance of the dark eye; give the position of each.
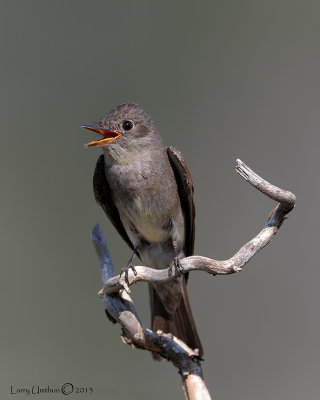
(127, 125)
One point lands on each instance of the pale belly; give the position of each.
(138, 220)
(144, 227)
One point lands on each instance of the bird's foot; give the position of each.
(125, 271)
(176, 267)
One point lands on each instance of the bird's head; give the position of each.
(126, 128)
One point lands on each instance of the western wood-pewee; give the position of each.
(145, 188)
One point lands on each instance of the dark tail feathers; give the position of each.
(182, 325)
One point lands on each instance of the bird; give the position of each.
(146, 190)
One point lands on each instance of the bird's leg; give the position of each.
(125, 270)
(178, 268)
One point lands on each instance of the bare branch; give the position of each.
(216, 267)
(287, 199)
(120, 308)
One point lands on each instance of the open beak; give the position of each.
(107, 136)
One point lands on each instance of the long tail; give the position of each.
(181, 325)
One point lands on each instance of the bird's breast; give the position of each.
(146, 197)
(150, 220)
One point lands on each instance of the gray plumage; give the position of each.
(146, 190)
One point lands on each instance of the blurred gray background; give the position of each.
(222, 80)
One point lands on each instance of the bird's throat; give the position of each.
(117, 155)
